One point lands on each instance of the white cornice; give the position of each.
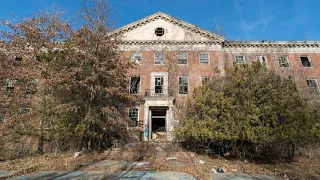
(173, 20)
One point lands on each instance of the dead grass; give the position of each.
(301, 168)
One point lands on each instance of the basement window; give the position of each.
(284, 61)
(312, 86)
(240, 60)
(32, 86)
(134, 85)
(159, 31)
(204, 58)
(133, 117)
(183, 84)
(305, 61)
(183, 58)
(9, 85)
(136, 58)
(24, 110)
(158, 58)
(204, 80)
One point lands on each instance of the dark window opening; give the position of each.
(134, 85)
(312, 86)
(9, 85)
(24, 110)
(2, 116)
(159, 31)
(305, 61)
(133, 117)
(183, 85)
(158, 85)
(205, 80)
(16, 60)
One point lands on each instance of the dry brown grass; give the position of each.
(301, 168)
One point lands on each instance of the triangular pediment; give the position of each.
(174, 30)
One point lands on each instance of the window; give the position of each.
(32, 86)
(24, 110)
(159, 31)
(134, 85)
(9, 85)
(204, 58)
(133, 117)
(204, 80)
(305, 61)
(183, 84)
(136, 57)
(284, 61)
(312, 86)
(16, 60)
(158, 58)
(240, 60)
(158, 85)
(183, 58)
(262, 60)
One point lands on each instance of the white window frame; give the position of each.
(243, 58)
(309, 59)
(316, 89)
(133, 57)
(10, 83)
(202, 77)
(281, 63)
(139, 87)
(201, 61)
(138, 111)
(260, 60)
(183, 85)
(184, 58)
(155, 59)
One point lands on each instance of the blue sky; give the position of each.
(242, 19)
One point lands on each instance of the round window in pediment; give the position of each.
(159, 31)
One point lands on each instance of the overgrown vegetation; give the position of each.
(82, 87)
(252, 112)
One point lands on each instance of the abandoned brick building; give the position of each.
(172, 57)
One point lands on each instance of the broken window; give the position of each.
(305, 61)
(158, 58)
(158, 85)
(183, 58)
(9, 85)
(183, 84)
(24, 110)
(284, 61)
(32, 86)
(312, 86)
(204, 80)
(136, 57)
(159, 31)
(262, 60)
(204, 58)
(134, 85)
(133, 117)
(240, 60)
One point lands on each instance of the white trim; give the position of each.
(243, 57)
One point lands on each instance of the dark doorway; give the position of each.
(158, 118)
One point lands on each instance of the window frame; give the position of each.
(33, 82)
(129, 118)
(133, 55)
(179, 84)
(201, 62)
(26, 108)
(243, 58)
(138, 87)
(309, 59)
(202, 77)
(162, 86)
(286, 58)
(12, 82)
(186, 58)
(315, 89)
(157, 59)
(260, 61)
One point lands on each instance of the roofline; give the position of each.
(158, 15)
